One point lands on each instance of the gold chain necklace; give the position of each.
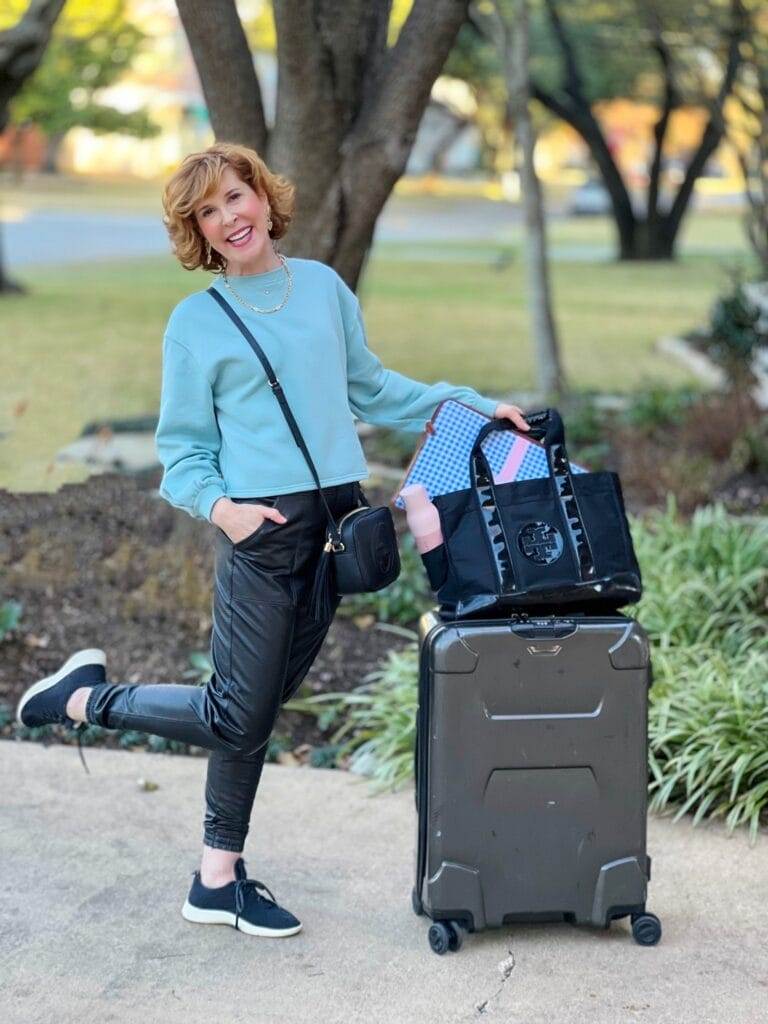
(256, 309)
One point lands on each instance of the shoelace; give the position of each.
(78, 727)
(242, 887)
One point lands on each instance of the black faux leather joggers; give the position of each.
(262, 646)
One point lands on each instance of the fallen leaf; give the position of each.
(36, 641)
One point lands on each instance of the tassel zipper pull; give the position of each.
(338, 546)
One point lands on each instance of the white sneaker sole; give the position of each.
(91, 656)
(199, 916)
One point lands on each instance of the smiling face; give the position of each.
(234, 219)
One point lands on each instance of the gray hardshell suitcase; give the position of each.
(531, 774)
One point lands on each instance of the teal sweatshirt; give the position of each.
(221, 431)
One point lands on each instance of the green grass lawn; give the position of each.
(86, 342)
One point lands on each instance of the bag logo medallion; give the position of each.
(540, 542)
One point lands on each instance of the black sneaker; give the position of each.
(239, 904)
(45, 701)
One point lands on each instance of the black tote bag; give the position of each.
(560, 540)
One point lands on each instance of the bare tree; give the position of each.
(21, 50)
(653, 235)
(752, 93)
(348, 106)
(513, 38)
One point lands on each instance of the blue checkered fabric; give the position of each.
(441, 464)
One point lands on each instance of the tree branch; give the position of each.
(22, 48)
(670, 102)
(581, 118)
(715, 128)
(573, 106)
(408, 74)
(574, 83)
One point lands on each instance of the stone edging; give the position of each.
(708, 372)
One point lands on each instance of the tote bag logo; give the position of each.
(540, 542)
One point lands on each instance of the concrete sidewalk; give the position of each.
(95, 870)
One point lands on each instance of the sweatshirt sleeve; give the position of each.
(187, 437)
(387, 398)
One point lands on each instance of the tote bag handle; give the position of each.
(547, 426)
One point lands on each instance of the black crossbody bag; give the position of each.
(360, 554)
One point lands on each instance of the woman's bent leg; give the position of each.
(232, 780)
(253, 620)
(233, 713)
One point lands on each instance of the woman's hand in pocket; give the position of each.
(240, 521)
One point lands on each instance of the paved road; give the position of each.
(52, 236)
(60, 236)
(95, 869)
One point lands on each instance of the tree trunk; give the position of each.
(7, 285)
(21, 50)
(516, 43)
(442, 147)
(651, 240)
(348, 106)
(52, 148)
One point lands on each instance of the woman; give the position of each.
(230, 458)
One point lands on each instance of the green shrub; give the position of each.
(404, 600)
(10, 614)
(392, 447)
(734, 335)
(379, 720)
(705, 580)
(750, 449)
(704, 607)
(657, 407)
(587, 429)
(708, 732)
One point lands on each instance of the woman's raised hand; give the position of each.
(514, 413)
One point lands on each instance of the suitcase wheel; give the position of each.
(646, 929)
(445, 935)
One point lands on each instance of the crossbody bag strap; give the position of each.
(277, 391)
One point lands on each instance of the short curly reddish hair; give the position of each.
(199, 176)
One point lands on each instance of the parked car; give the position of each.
(589, 200)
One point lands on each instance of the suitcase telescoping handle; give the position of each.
(553, 629)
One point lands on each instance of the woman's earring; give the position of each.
(269, 219)
(207, 251)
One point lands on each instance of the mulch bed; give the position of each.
(107, 563)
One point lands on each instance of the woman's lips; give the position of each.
(240, 241)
